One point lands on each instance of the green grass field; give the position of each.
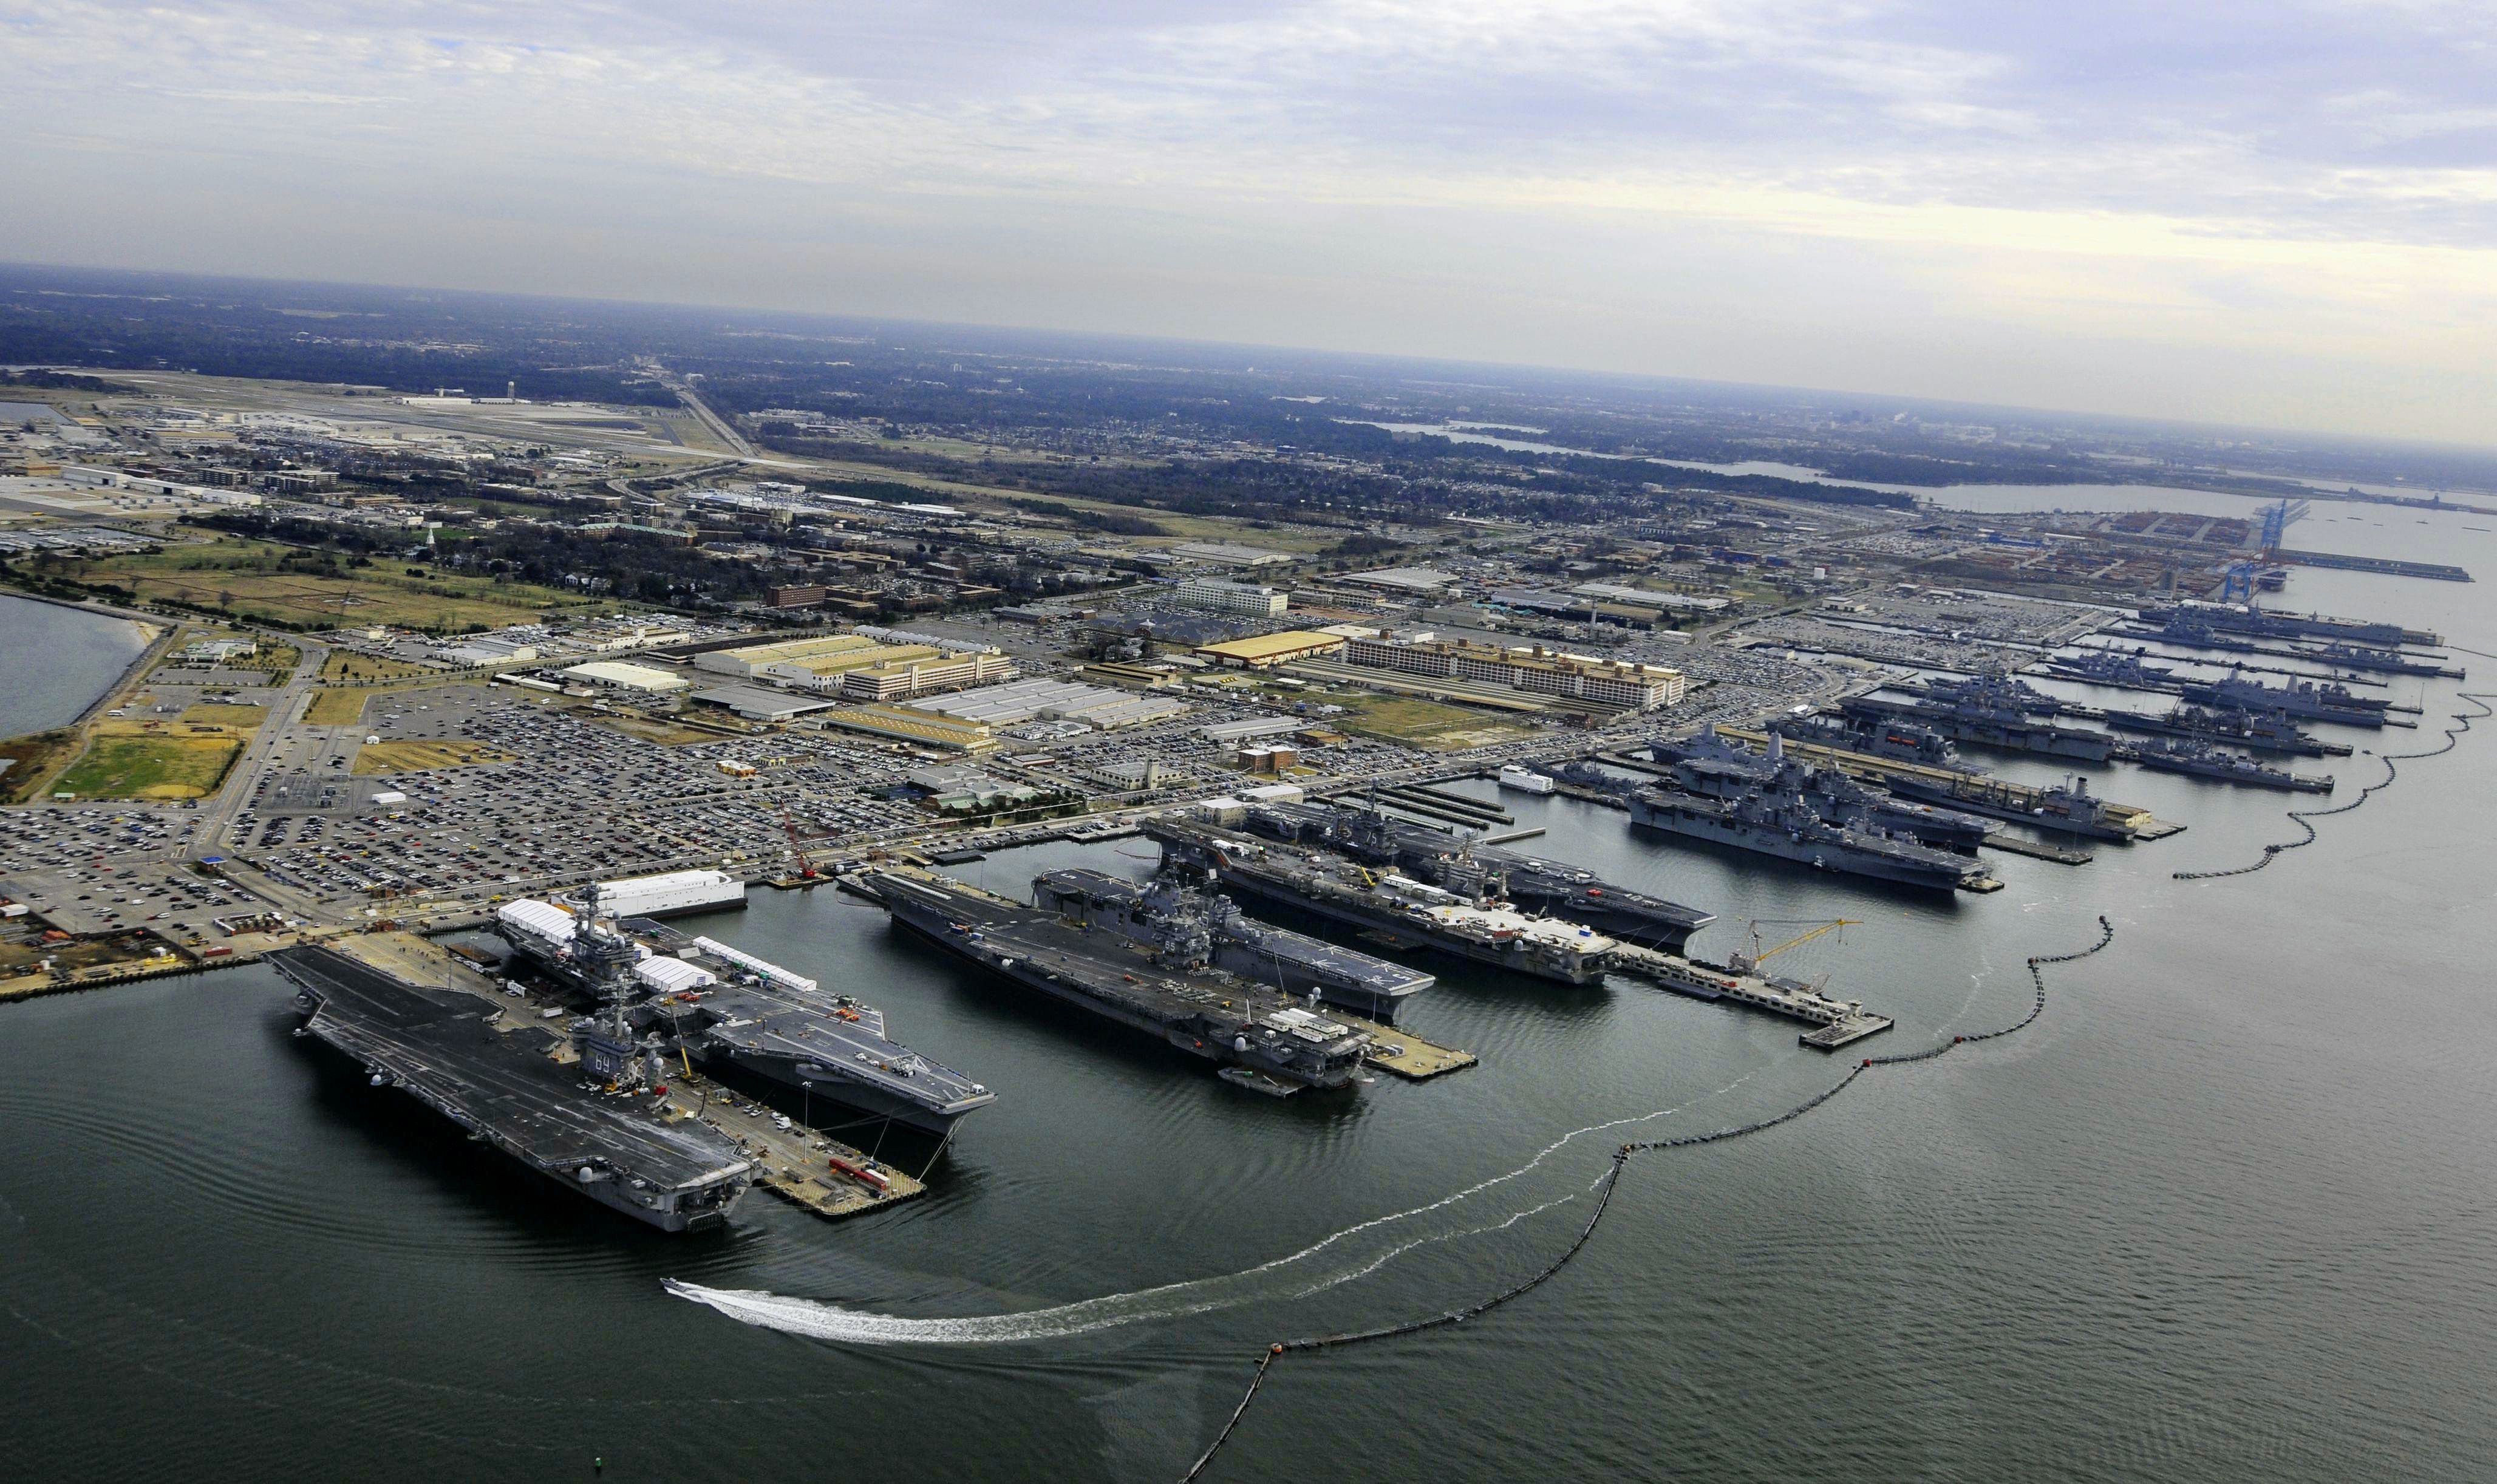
(259, 580)
(155, 767)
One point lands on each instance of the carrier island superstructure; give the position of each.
(443, 1048)
(717, 1004)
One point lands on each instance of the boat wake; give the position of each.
(1327, 1263)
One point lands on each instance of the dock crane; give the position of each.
(797, 852)
(1751, 962)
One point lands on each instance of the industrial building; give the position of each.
(750, 661)
(1096, 706)
(901, 723)
(1228, 597)
(1223, 553)
(930, 676)
(757, 703)
(1421, 582)
(1536, 670)
(1267, 650)
(618, 675)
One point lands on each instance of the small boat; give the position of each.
(1525, 780)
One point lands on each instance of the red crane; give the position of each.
(806, 868)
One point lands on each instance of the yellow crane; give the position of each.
(1759, 955)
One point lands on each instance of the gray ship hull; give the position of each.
(1702, 820)
(435, 1046)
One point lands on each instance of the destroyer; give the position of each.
(2305, 699)
(1218, 933)
(1166, 989)
(2236, 726)
(2199, 759)
(1463, 916)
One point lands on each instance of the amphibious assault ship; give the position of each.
(722, 1006)
(1168, 907)
(1787, 827)
(1713, 767)
(1462, 915)
(587, 1126)
(1168, 988)
(1530, 883)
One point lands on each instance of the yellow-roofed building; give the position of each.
(1267, 650)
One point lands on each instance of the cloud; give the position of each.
(2118, 169)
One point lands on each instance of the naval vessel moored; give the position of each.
(1785, 827)
(1168, 909)
(1167, 989)
(722, 1006)
(1530, 883)
(1461, 916)
(440, 1046)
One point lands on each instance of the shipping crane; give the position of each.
(797, 852)
(1751, 961)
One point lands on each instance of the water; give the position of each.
(59, 661)
(2224, 1211)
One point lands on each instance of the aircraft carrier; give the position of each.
(1168, 909)
(1458, 917)
(1787, 827)
(1530, 883)
(1168, 988)
(722, 1006)
(588, 1127)
(1712, 768)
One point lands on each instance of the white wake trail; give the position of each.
(821, 1320)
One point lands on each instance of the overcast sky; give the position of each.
(2280, 213)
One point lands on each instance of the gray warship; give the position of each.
(725, 1007)
(2304, 699)
(1711, 767)
(2197, 758)
(2269, 730)
(1461, 915)
(1986, 724)
(1167, 989)
(588, 1128)
(1231, 940)
(1530, 883)
(1788, 828)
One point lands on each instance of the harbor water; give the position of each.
(2222, 1212)
(58, 661)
